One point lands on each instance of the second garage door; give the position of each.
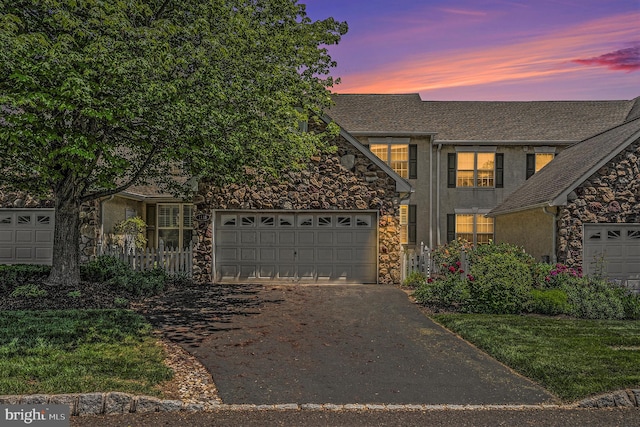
(330, 247)
(614, 249)
(26, 236)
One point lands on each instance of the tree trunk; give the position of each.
(66, 235)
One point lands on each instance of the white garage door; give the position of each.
(330, 247)
(26, 236)
(614, 248)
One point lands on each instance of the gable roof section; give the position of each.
(478, 121)
(402, 185)
(551, 185)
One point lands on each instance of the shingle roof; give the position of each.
(569, 121)
(570, 168)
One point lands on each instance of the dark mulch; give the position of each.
(91, 296)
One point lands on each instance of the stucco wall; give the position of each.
(531, 229)
(115, 210)
(345, 180)
(611, 195)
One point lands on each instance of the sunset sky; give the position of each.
(487, 49)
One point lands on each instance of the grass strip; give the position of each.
(572, 358)
(78, 351)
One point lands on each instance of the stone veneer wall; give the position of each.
(611, 195)
(345, 180)
(89, 218)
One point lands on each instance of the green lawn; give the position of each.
(571, 358)
(73, 351)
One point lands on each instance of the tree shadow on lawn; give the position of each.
(187, 314)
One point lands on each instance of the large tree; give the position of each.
(99, 95)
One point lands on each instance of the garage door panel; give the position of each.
(228, 254)
(306, 238)
(614, 247)
(6, 236)
(228, 237)
(344, 238)
(325, 238)
(26, 236)
(306, 246)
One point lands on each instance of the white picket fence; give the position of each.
(172, 260)
(419, 260)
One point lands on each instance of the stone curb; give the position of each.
(114, 403)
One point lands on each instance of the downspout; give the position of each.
(431, 192)
(554, 254)
(438, 155)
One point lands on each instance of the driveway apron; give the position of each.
(337, 344)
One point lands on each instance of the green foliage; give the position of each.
(135, 228)
(447, 292)
(414, 279)
(79, 351)
(549, 301)
(15, 275)
(595, 299)
(450, 253)
(99, 95)
(74, 294)
(111, 270)
(29, 291)
(501, 285)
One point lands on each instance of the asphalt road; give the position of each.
(436, 418)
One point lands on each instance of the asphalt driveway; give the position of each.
(333, 344)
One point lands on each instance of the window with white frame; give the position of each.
(475, 169)
(175, 225)
(538, 160)
(472, 227)
(397, 153)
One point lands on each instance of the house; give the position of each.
(335, 221)
(583, 208)
(405, 172)
(464, 158)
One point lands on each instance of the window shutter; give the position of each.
(451, 227)
(451, 170)
(413, 220)
(499, 170)
(531, 165)
(413, 161)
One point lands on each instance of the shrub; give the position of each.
(113, 271)
(15, 275)
(591, 298)
(549, 301)
(414, 280)
(449, 254)
(501, 284)
(450, 291)
(29, 291)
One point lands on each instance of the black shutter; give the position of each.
(413, 161)
(499, 170)
(412, 223)
(451, 170)
(531, 165)
(451, 227)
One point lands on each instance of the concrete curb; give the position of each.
(114, 403)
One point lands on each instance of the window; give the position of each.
(408, 221)
(401, 157)
(475, 170)
(474, 228)
(537, 161)
(175, 225)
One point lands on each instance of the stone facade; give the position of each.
(344, 180)
(89, 218)
(611, 195)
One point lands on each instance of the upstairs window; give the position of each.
(537, 161)
(475, 170)
(401, 157)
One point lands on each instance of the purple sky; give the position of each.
(487, 49)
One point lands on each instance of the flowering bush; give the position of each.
(450, 290)
(561, 275)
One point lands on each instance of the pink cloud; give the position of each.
(547, 56)
(466, 12)
(621, 60)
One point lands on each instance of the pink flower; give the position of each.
(452, 269)
(460, 271)
(470, 277)
(458, 263)
(429, 280)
